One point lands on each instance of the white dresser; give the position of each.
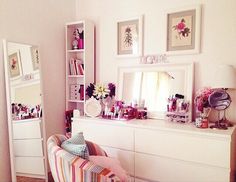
(156, 150)
(28, 147)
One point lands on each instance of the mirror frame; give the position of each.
(9, 115)
(8, 100)
(188, 68)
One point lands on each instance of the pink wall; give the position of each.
(218, 38)
(39, 23)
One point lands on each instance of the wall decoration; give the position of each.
(183, 31)
(15, 64)
(35, 57)
(154, 59)
(129, 37)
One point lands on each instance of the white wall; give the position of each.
(218, 38)
(38, 23)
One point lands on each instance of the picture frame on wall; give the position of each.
(14, 61)
(183, 30)
(130, 37)
(35, 57)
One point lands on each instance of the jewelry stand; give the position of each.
(221, 124)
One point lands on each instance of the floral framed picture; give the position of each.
(14, 65)
(129, 37)
(35, 57)
(183, 30)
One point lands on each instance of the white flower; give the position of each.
(101, 91)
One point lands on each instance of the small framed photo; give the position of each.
(15, 65)
(129, 37)
(35, 57)
(183, 30)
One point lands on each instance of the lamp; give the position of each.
(224, 79)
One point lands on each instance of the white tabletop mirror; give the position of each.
(24, 105)
(151, 85)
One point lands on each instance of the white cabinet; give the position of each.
(124, 136)
(156, 150)
(79, 62)
(26, 129)
(184, 146)
(28, 147)
(159, 168)
(30, 165)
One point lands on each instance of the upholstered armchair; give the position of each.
(66, 167)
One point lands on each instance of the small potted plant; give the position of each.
(104, 93)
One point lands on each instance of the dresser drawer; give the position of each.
(187, 147)
(156, 168)
(29, 147)
(30, 165)
(126, 158)
(106, 135)
(24, 130)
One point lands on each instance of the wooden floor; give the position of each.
(28, 179)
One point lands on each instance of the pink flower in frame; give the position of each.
(180, 27)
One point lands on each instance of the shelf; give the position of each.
(178, 113)
(78, 101)
(79, 63)
(27, 120)
(76, 50)
(75, 76)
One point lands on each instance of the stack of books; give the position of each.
(76, 67)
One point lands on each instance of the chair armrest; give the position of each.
(92, 171)
(67, 167)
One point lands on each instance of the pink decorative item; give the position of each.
(112, 164)
(81, 43)
(203, 107)
(201, 99)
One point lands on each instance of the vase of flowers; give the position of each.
(104, 93)
(203, 107)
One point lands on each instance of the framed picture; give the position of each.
(183, 31)
(35, 57)
(129, 37)
(14, 65)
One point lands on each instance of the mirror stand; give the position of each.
(24, 110)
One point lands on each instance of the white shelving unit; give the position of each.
(76, 81)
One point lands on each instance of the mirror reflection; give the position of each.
(23, 64)
(25, 112)
(152, 88)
